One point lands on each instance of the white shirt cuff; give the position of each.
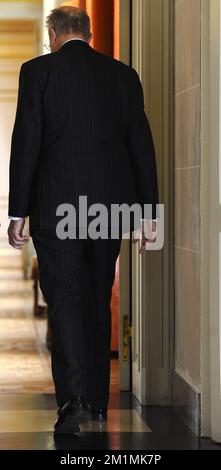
(14, 218)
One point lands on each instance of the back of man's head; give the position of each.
(68, 20)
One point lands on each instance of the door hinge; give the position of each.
(127, 334)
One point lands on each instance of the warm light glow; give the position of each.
(89, 10)
(47, 7)
(74, 3)
(101, 14)
(116, 29)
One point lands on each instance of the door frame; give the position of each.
(124, 260)
(154, 273)
(211, 220)
(206, 118)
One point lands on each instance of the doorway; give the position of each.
(143, 38)
(151, 275)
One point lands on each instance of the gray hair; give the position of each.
(68, 20)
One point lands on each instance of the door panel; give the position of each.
(152, 273)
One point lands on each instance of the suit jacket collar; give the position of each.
(75, 43)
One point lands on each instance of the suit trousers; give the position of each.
(76, 278)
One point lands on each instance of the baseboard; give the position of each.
(186, 402)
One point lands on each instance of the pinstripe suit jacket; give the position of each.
(80, 129)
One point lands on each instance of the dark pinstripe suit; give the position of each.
(80, 129)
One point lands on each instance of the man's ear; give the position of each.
(52, 35)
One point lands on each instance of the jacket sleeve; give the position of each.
(26, 142)
(141, 148)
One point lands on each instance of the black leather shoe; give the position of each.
(64, 424)
(70, 415)
(97, 414)
(66, 428)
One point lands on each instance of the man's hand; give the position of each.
(146, 239)
(15, 234)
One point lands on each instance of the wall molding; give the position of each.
(186, 402)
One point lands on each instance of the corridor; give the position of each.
(166, 336)
(24, 362)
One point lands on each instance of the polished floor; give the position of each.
(27, 403)
(27, 423)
